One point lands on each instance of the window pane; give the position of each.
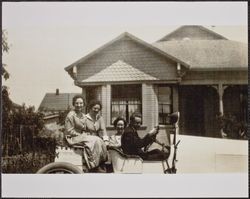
(128, 99)
(166, 109)
(165, 103)
(134, 108)
(164, 94)
(115, 112)
(126, 91)
(122, 111)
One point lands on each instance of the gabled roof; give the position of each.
(125, 34)
(119, 71)
(56, 102)
(208, 54)
(193, 32)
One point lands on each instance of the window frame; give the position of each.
(166, 104)
(126, 100)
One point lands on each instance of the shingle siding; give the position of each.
(134, 54)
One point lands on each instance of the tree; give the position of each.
(5, 49)
(18, 121)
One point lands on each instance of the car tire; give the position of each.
(60, 168)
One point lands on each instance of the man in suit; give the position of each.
(132, 144)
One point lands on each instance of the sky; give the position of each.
(46, 37)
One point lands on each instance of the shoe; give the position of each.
(101, 170)
(98, 169)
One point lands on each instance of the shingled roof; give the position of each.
(56, 102)
(119, 71)
(208, 54)
(192, 33)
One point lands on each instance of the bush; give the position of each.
(26, 163)
(31, 162)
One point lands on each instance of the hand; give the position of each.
(153, 132)
(106, 142)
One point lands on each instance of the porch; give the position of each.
(201, 107)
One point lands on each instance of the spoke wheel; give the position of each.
(59, 168)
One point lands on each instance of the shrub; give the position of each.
(26, 163)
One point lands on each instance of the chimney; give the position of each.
(57, 91)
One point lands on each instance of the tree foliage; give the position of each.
(18, 121)
(19, 115)
(5, 49)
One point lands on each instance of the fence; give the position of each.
(18, 139)
(23, 151)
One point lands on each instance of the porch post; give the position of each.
(221, 91)
(108, 105)
(105, 99)
(175, 98)
(148, 106)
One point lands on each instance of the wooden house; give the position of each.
(192, 70)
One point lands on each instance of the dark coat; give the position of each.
(131, 143)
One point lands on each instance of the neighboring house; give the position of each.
(192, 70)
(54, 103)
(57, 101)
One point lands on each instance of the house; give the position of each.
(192, 70)
(55, 103)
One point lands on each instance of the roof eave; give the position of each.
(99, 83)
(219, 69)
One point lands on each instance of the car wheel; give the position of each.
(60, 168)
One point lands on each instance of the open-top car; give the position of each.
(72, 159)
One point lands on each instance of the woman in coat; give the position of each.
(84, 130)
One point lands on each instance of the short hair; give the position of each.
(134, 115)
(118, 119)
(93, 103)
(76, 97)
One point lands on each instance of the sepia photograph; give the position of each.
(93, 89)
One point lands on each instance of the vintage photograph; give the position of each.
(88, 99)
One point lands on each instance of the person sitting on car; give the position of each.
(85, 130)
(132, 144)
(115, 140)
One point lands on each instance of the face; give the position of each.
(95, 109)
(120, 125)
(137, 122)
(79, 104)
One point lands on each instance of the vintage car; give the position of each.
(71, 159)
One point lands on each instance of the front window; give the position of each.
(125, 100)
(165, 103)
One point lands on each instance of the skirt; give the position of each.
(95, 150)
